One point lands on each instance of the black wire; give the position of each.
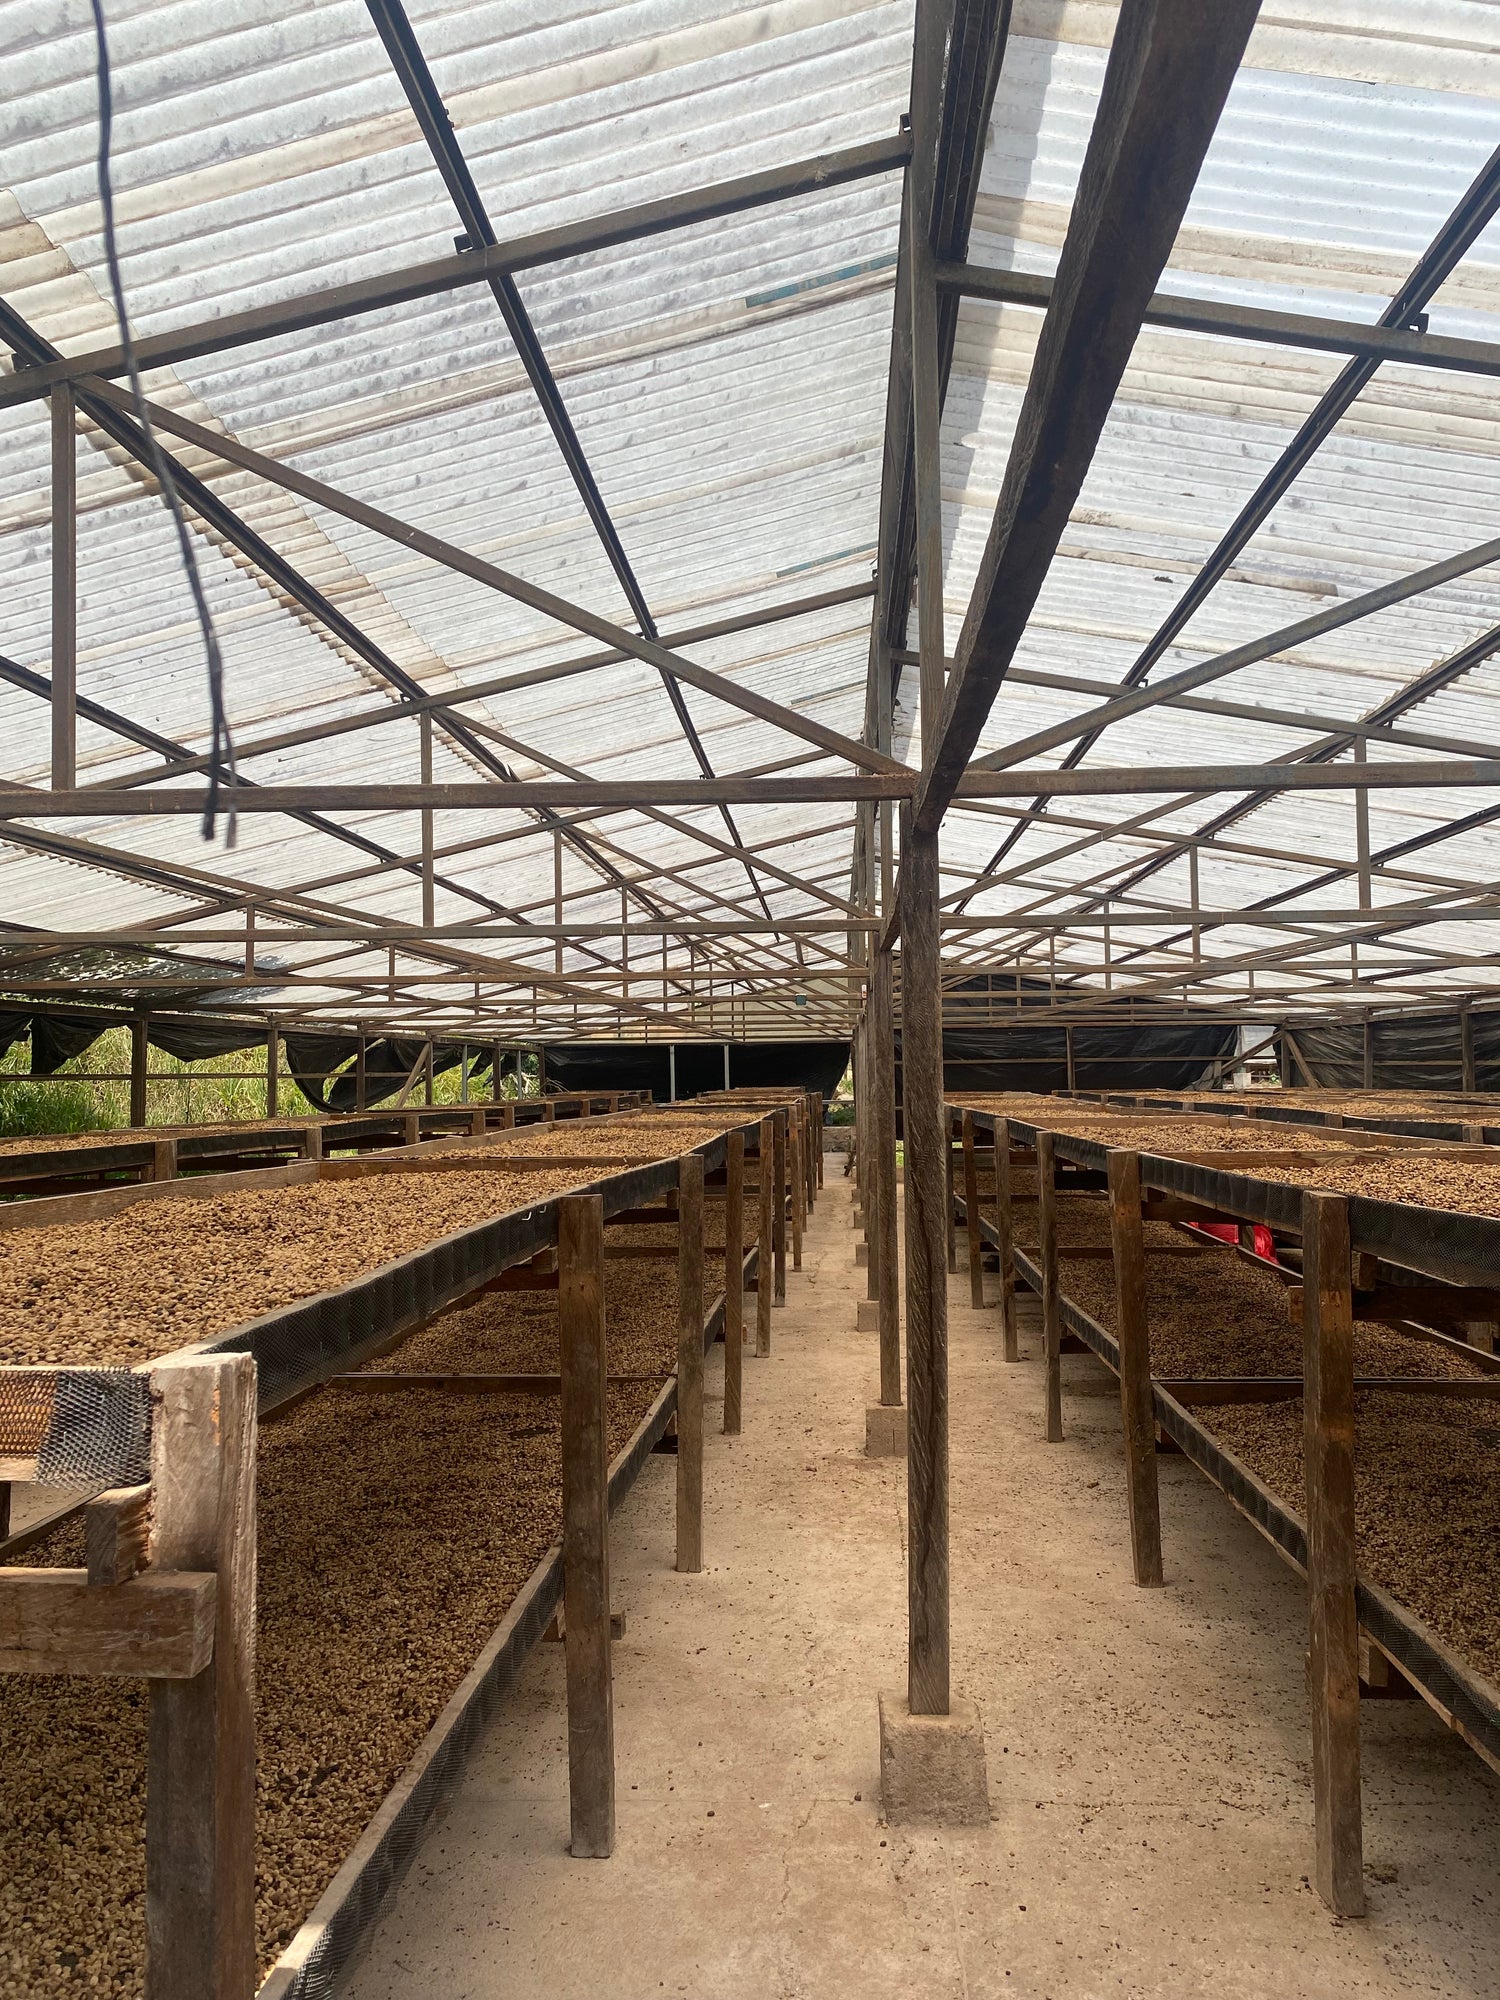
(221, 748)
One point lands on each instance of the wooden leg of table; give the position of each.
(1010, 1346)
(971, 1214)
(734, 1282)
(779, 1180)
(952, 1227)
(690, 1363)
(765, 1254)
(1333, 1651)
(1134, 1333)
(799, 1193)
(585, 1486)
(200, 1759)
(1047, 1257)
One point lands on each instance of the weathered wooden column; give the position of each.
(795, 1149)
(690, 1363)
(1005, 1235)
(885, 1250)
(1046, 1212)
(200, 1760)
(1333, 1622)
(926, 1283)
(972, 1235)
(766, 1229)
(359, 1072)
(778, 1177)
(1134, 1333)
(734, 1281)
(585, 1492)
(273, 1070)
(140, 1053)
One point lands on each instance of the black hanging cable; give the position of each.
(221, 747)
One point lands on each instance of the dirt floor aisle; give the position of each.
(1148, 1751)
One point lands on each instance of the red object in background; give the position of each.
(1228, 1232)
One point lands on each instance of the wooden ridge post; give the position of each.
(1333, 1649)
(273, 1070)
(778, 1177)
(1005, 1228)
(971, 1214)
(1046, 1210)
(583, 1352)
(690, 1363)
(200, 1759)
(1133, 1328)
(818, 1142)
(766, 1229)
(734, 1282)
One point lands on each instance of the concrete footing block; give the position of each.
(861, 1255)
(885, 1430)
(932, 1767)
(867, 1316)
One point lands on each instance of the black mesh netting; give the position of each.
(84, 1426)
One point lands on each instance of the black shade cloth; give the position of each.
(1130, 1057)
(12, 1028)
(194, 1041)
(58, 1038)
(700, 1066)
(326, 1067)
(1417, 1052)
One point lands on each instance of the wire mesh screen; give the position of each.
(83, 1426)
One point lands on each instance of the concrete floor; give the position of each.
(1148, 1750)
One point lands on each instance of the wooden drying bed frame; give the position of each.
(131, 1159)
(1470, 1133)
(186, 1543)
(1455, 1249)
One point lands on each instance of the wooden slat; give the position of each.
(690, 1364)
(200, 1783)
(55, 1621)
(1132, 1329)
(117, 1535)
(1333, 1650)
(778, 1176)
(585, 1481)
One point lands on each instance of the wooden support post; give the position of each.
(140, 1050)
(1134, 1333)
(952, 1191)
(1046, 1208)
(734, 1281)
(1005, 1225)
(1328, 1455)
(273, 1071)
(690, 1363)
(778, 1177)
(1367, 1071)
(885, 1249)
(927, 1660)
(798, 1187)
(764, 1255)
(1468, 1072)
(428, 1074)
(200, 1762)
(585, 1492)
(496, 1067)
(163, 1159)
(359, 1072)
(64, 689)
(818, 1137)
(971, 1214)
